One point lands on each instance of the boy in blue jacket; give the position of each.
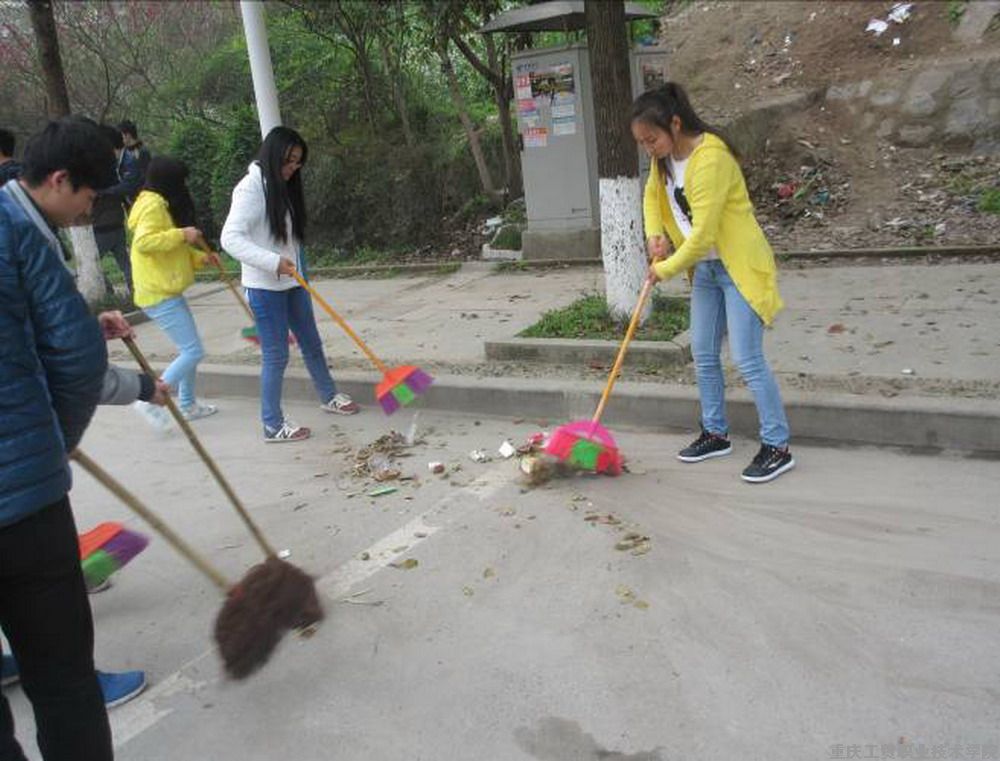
(52, 367)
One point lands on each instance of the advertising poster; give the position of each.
(536, 137)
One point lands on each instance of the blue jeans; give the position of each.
(717, 307)
(276, 312)
(175, 319)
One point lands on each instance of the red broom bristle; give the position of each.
(560, 444)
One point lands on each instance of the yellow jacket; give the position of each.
(722, 217)
(163, 264)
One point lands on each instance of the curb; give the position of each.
(572, 351)
(928, 424)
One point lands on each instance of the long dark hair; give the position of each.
(283, 198)
(167, 176)
(657, 108)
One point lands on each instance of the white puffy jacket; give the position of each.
(246, 236)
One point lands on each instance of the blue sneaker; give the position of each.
(120, 687)
(9, 673)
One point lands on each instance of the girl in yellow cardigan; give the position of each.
(164, 259)
(696, 196)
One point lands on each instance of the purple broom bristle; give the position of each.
(418, 381)
(125, 545)
(389, 404)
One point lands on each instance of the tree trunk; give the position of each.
(398, 97)
(90, 278)
(502, 93)
(89, 275)
(470, 130)
(622, 239)
(44, 24)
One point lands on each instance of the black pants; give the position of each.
(111, 240)
(45, 614)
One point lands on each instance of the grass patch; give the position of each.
(989, 201)
(955, 10)
(589, 318)
(515, 266)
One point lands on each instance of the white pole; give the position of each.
(255, 29)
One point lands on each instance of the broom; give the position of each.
(106, 549)
(271, 598)
(586, 443)
(400, 385)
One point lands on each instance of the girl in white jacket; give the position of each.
(265, 230)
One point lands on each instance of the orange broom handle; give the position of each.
(633, 324)
(229, 282)
(342, 323)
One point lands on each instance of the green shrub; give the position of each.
(989, 201)
(508, 238)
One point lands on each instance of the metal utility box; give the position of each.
(555, 118)
(555, 121)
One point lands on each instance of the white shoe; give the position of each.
(288, 432)
(198, 410)
(156, 416)
(341, 404)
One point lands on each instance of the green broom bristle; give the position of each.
(585, 453)
(403, 394)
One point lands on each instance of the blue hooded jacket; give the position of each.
(52, 361)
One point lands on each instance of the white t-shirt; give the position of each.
(678, 201)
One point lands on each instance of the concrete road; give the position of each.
(854, 602)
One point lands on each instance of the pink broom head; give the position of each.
(586, 445)
(113, 555)
(400, 386)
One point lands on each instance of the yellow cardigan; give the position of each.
(163, 264)
(722, 218)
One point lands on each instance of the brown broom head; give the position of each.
(272, 598)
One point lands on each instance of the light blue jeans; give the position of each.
(717, 308)
(276, 312)
(175, 319)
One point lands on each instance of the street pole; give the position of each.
(255, 29)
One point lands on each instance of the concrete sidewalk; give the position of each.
(878, 332)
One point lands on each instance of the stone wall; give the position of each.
(954, 104)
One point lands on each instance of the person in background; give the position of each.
(9, 168)
(265, 230)
(135, 147)
(109, 209)
(164, 259)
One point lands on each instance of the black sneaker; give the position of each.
(769, 463)
(705, 446)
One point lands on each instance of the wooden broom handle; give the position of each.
(203, 453)
(342, 323)
(229, 282)
(647, 288)
(161, 528)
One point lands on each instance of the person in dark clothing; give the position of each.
(9, 168)
(52, 373)
(112, 204)
(136, 148)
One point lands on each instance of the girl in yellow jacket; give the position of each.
(696, 196)
(164, 259)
